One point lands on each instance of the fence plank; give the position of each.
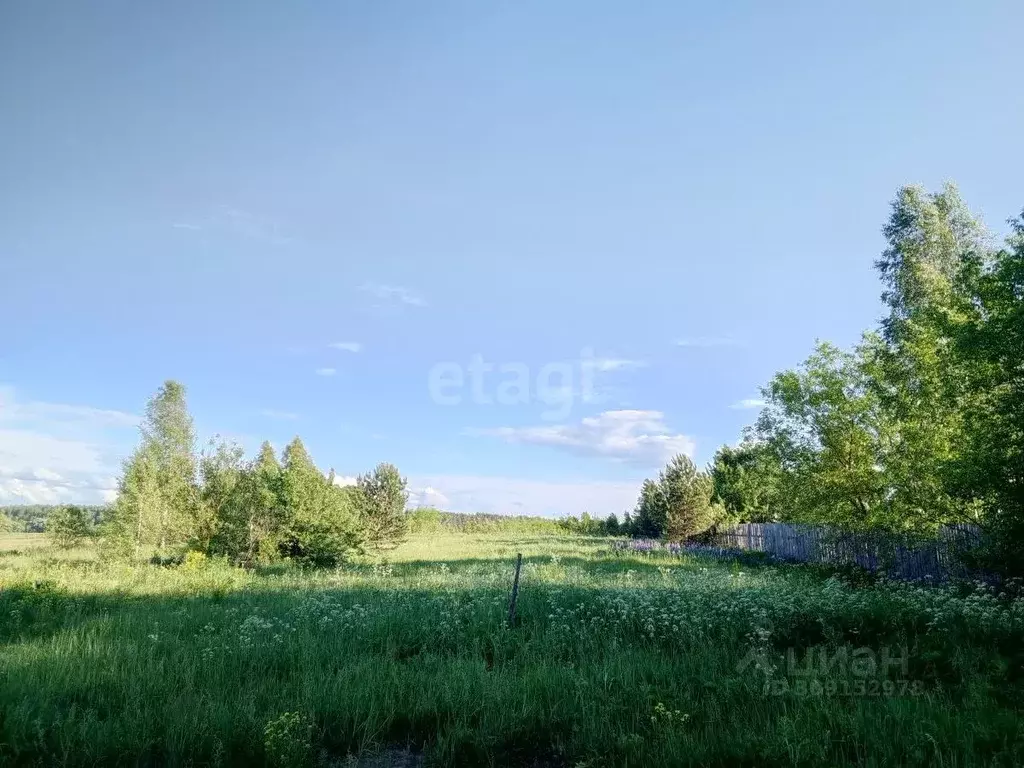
(902, 557)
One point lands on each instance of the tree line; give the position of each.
(172, 500)
(919, 425)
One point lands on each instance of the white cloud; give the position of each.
(640, 437)
(708, 341)
(515, 496)
(11, 410)
(748, 403)
(55, 452)
(325, 371)
(347, 346)
(428, 497)
(343, 482)
(393, 294)
(272, 413)
(226, 220)
(605, 364)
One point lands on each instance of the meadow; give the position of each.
(407, 658)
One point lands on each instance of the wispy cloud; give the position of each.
(748, 403)
(230, 221)
(325, 371)
(708, 341)
(638, 437)
(606, 364)
(393, 295)
(271, 413)
(347, 346)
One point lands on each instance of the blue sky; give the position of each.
(219, 193)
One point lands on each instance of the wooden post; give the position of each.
(515, 592)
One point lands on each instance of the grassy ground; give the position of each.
(615, 660)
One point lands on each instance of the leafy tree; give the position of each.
(988, 470)
(221, 521)
(917, 371)
(747, 481)
(321, 527)
(264, 510)
(67, 526)
(137, 513)
(157, 504)
(383, 498)
(821, 431)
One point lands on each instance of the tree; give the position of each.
(383, 498)
(263, 504)
(320, 527)
(7, 524)
(988, 470)
(221, 522)
(611, 525)
(157, 504)
(687, 497)
(650, 517)
(67, 526)
(821, 429)
(678, 504)
(746, 483)
(929, 271)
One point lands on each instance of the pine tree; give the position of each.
(687, 493)
(320, 526)
(651, 514)
(383, 498)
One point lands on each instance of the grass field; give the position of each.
(616, 659)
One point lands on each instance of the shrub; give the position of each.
(67, 526)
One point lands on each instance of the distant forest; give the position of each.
(31, 518)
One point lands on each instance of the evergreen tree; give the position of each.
(321, 527)
(383, 499)
(687, 497)
(650, 517)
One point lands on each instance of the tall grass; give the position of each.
(616, 659)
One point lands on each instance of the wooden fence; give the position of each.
(900, 557)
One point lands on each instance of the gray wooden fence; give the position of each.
(899, 556)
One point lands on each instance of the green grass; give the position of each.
(20, 541)
(615, 660)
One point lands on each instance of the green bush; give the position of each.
(67, 526)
